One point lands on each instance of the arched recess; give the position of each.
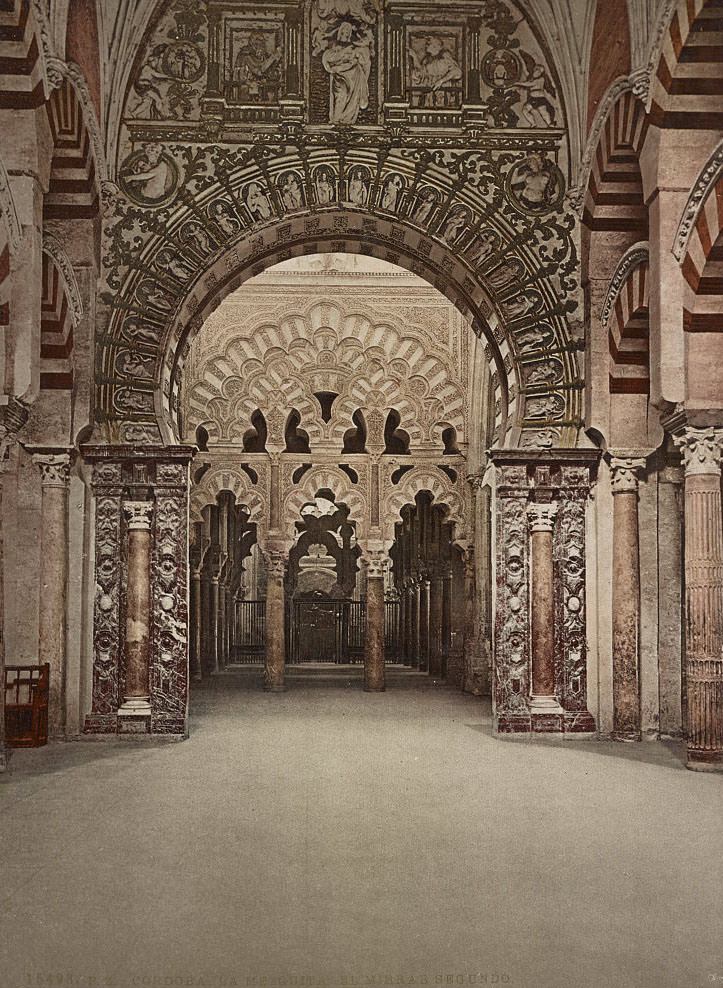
(626, 317)
(60, 312)
(226, 478)
(687, 88)
(73, 191)
(614, 243)
(700, 248)
(332, 479)
(440, 488)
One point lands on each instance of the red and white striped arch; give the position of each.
(629, 336)
(22, 71)
(687, 89)
(73, 188)
(702, 262)
(614, 194)
(57, 319)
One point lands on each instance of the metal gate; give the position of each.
(317, 630)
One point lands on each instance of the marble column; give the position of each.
(415, 600)
(196, 662)
(626, 598)
(446, 619)
(4, 749)
(374, 669)
(222, 657)
(136, 693)
(275, 659)
(471, 679)
(424, 602)
(206, 662)
(52, 648)
(213, 629)
(701, 449)
(436, 596)
(545, 710)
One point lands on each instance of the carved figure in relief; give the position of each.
(325, 185)
(255, 68)
(257, 202)
(547, 406)
(390, 192)
(222, 213)
(149, 174)
(506, 273)
(535, 183)
(522, 304)
(138, 331)
(537, 109)
(432, 70)
(342, 33)
(544, 373)
(358, 186)
(486, 243)
(147, 101)
(193, 233)
(426, 201)
(291, 191)
(168, 260)
(500, 68)
(454, 223)
(533, 336)
(149, 293)
(133, 365)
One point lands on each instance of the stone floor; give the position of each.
(326, 836)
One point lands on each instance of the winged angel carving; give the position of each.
(343, 34)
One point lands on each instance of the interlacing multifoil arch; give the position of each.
(479, 212)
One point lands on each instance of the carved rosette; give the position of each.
(168, 670)
(624, 473)
(107, 644)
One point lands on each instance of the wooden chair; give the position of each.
(26, 705)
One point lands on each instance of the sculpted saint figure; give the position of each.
(342, 34)
(154, 180)
(434, 69)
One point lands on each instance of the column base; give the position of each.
(704, 761)
(375, 689)
(546, 722)
(275, 688)
(134, 716)
(626, 736)
(544, 705)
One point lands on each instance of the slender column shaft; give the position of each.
(407, 624)
(222, 657)
(374, 671)
(55, 475)
(3, 746)
(196, 666)
(424, 600)
(206, 660)
(138, 606)
(435, 625)
(626, 600)
(275, 660)
(414, 629)
(470, 637)
(704, 598)
(542, 700)
(213, 629)
(446, 620)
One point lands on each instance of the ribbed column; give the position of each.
(136, 694)
(55, 477)
(436, 597)
(626, 598)
(275, 659)
(701, 449)
(374, 670)
(544, 707)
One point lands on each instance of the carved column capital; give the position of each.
(138, 515)
(375, 561)
(54, 469)
(541, 517)
(476, 481)
(275, 560)
(701, 450)
(625, 472)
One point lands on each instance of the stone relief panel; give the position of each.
(357, 93)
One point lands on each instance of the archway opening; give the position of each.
(340, 398)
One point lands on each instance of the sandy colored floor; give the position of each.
(330, 837)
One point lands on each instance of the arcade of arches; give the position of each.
(365, 332)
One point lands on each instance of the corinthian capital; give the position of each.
(275, 560)
(54, 468)
(542, 516)
(138, 515)
(375, 560)
(701, 450)
(624, 472)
